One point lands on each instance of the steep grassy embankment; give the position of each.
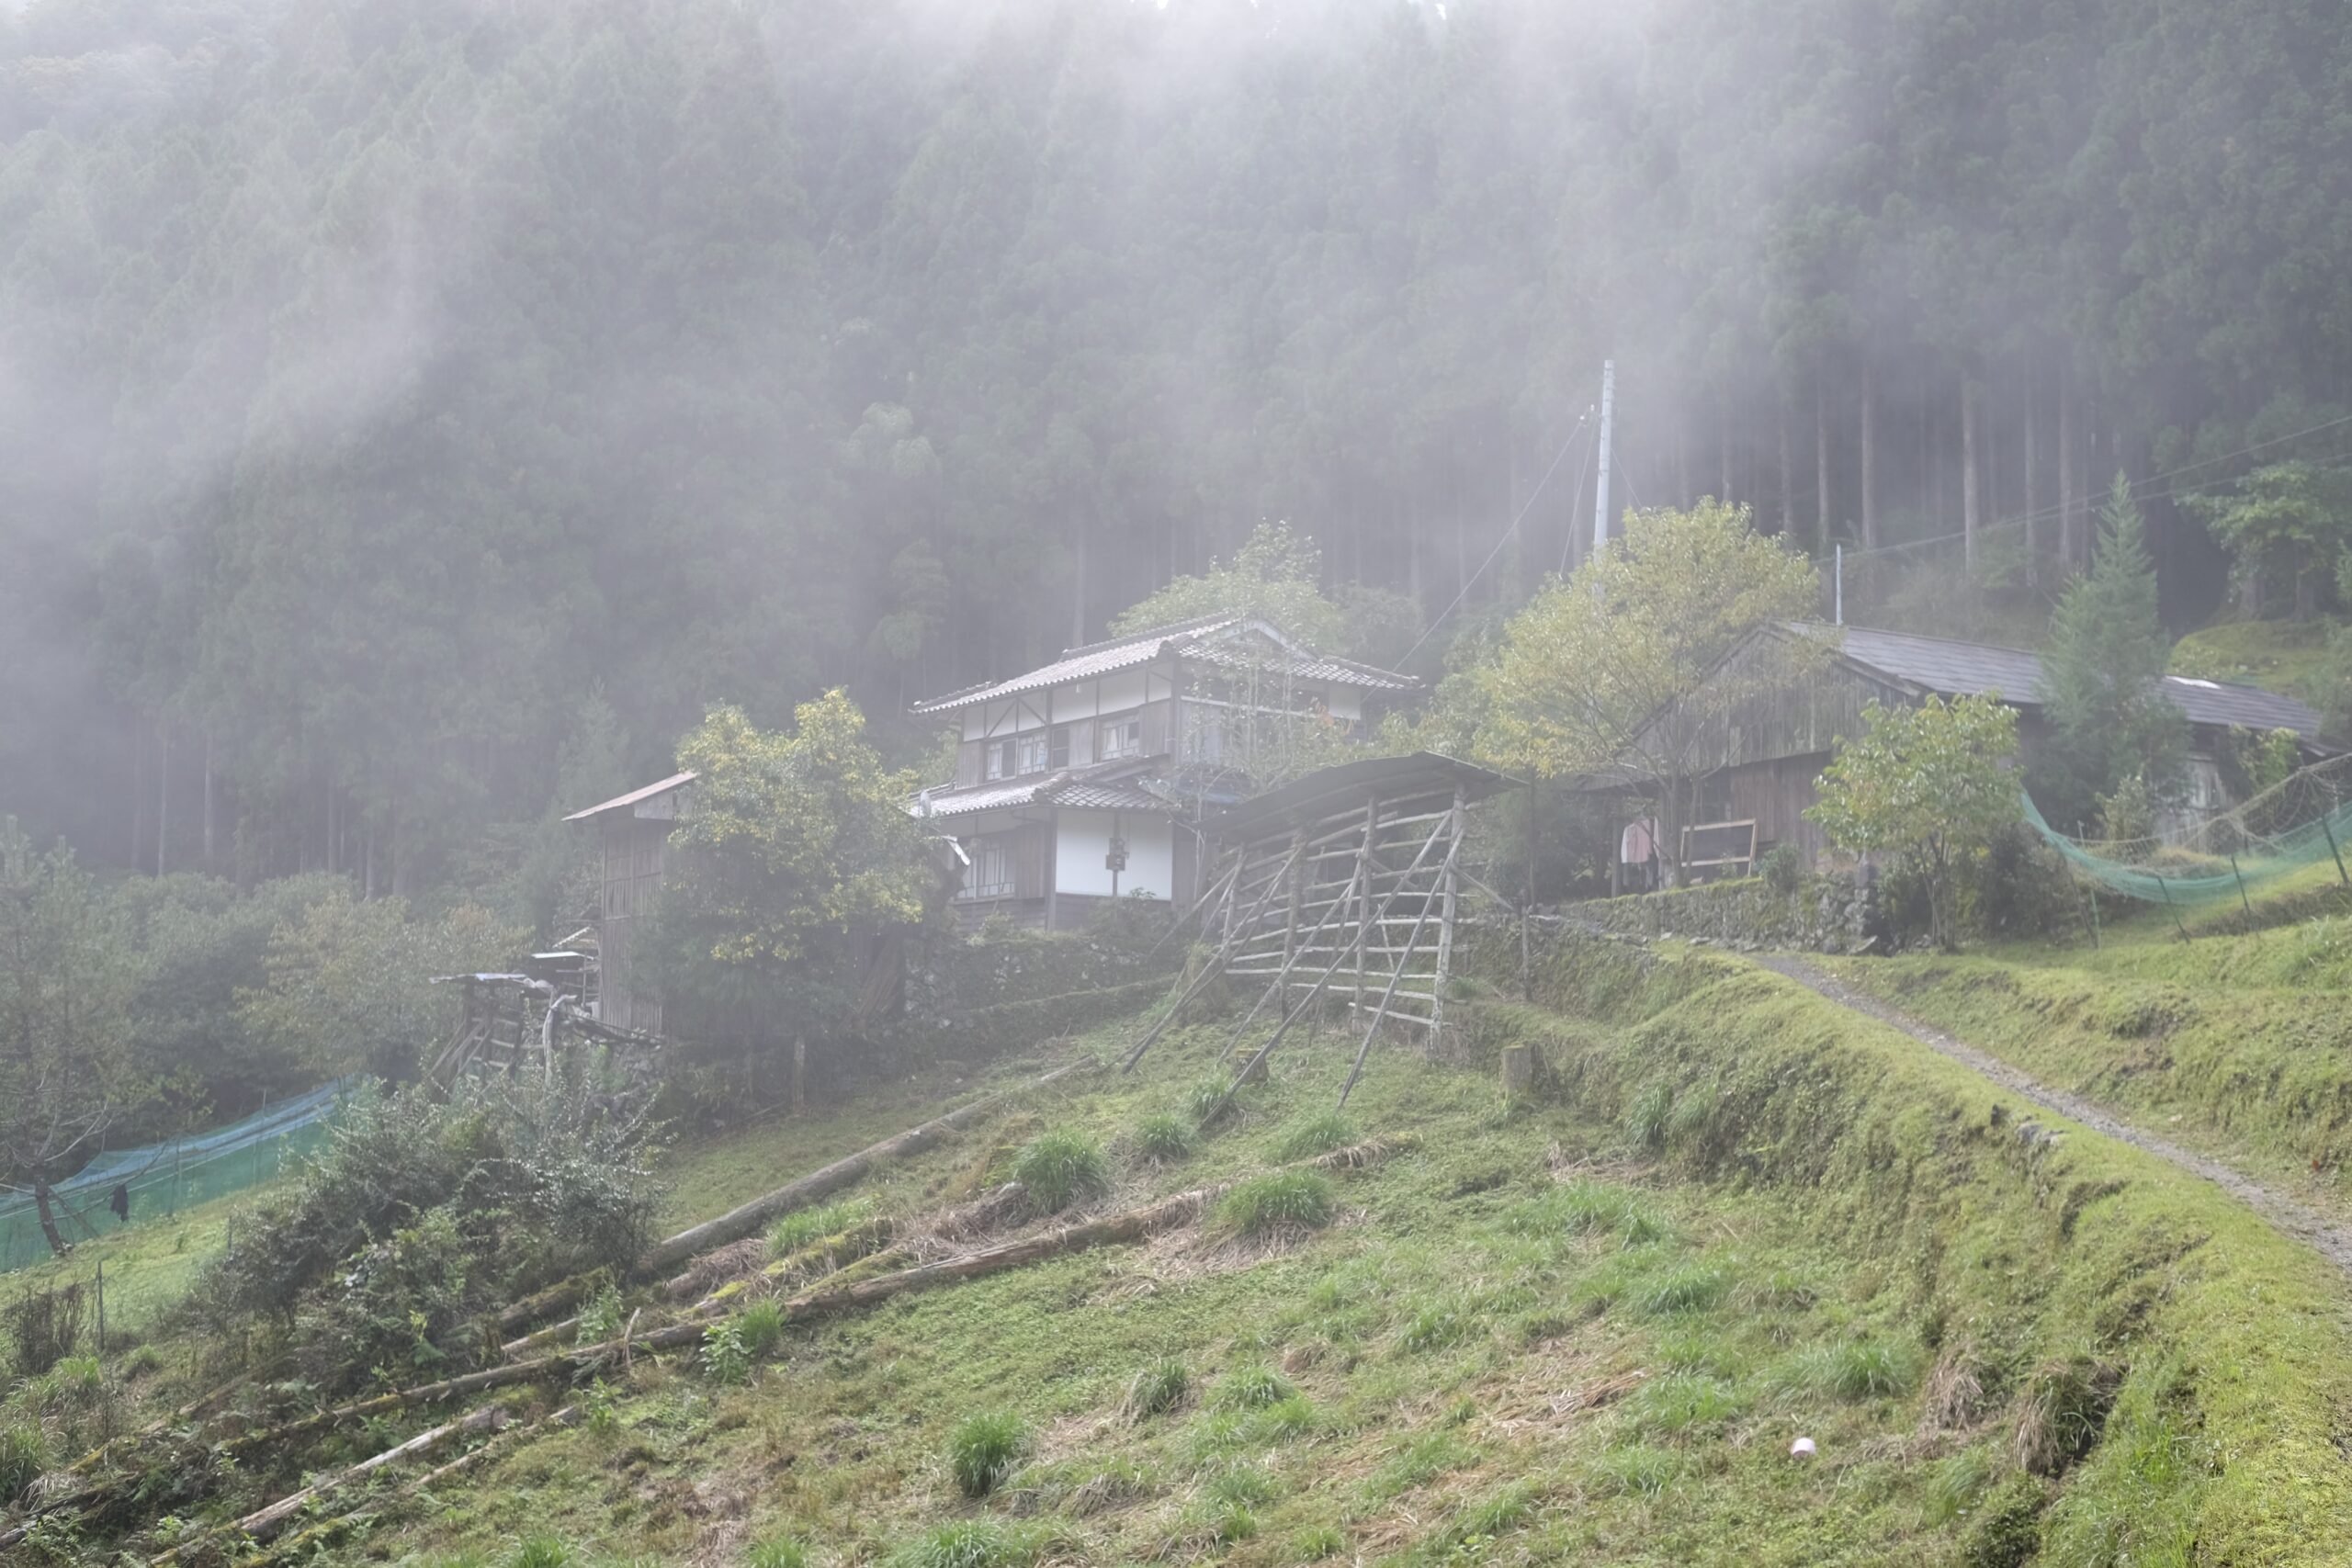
(1584, 1327)
(2237, 1042)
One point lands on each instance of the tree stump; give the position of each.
(1520, 1064)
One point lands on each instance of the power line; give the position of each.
(1471, 580)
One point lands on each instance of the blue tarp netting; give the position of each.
(164, 1178)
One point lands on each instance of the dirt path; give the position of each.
(2332, 1242)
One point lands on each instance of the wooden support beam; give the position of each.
(1445, 877)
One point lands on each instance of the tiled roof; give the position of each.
(1954, 669)
(1104, 787)
(1092, 659)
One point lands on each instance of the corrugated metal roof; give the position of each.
(633, 797)
(1093, 659)
(1309, 797)
(1954, 669)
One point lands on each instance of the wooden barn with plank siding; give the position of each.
(633, 844)
(1762, 760)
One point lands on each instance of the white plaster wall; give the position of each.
(1085, 839)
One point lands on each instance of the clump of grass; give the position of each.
(1316, 1134)
(539, 1552)
(777, 1551)
(1060, 1168)
(1241, 1484)
(1584, 1207)
(1252, 1388)
(1157, 1389)
(24, 1454)
(966, 1543)
(984, 1449)
(1637, 1470)
(1283, 1420)
(761, 1326)
(1318, 1543)
(1646, 1116)
(1279, 1200)
(1433, 1327)
(1690, 1287)
(1205, 1104)
(1236, 1525)
(1164, 1136)
(2060, 1408)
(1958, 1482)
(1684, 1402)
(804, 1228)
(1852, 1370)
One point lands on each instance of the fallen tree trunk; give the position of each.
(1128, 1224)
(263, 1523)
(746, 1218)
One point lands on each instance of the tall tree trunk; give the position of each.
(1869, 452)
(1682, 497)
(1821, 460)
(2032, 483)
(42, 1197)
(1723, 447)
(2069, 479)
(163, 794)
(2306, 592)
(1078, 585)
(1971, 514)
(208, 863)
(1788, 470)
(138, 793)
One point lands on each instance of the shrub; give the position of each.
(984, 1449)
(1278, 1201)
(1252, 1388)
(805, 1227)
(725, 1358)
(401, 1308)
(1782, 869)
(1061, 1167)
(777, 1551)
(603, 1318)
(24, 1454)
(1316, 1134)
(1157, 1389)
(43, 1327)
(1163, 1135)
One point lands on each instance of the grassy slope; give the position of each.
(2238, 1043)
(1836, 1208)
(2283, 655)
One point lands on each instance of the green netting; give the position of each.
(2305, 821)
(159, 1180)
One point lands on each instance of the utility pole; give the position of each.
(1600, 491)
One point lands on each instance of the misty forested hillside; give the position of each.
(382, 383)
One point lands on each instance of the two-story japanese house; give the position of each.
(1074, 782)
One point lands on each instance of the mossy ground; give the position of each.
(1580, 1327)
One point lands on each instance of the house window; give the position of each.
(1057, 749)
(1029, 752)
(1121, 738)
(1000, 757)
(990, 874)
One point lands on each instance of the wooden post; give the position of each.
(2095, 937)
(1445, 920)
(1364, 897)
(799, 1073)
(2176, 925)
(1518, 1070)
(2332, 849)
(1412, 941)
(102, 1312)
(2244, 902)
(1527, 910)
(1053, 854)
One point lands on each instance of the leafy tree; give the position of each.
(349, 986)
(797, 849)
(1617, 667)
(1932, 783)
(2292, 520)
(67, 1070)
(2102, 673)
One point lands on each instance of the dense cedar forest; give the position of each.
(413, 411)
